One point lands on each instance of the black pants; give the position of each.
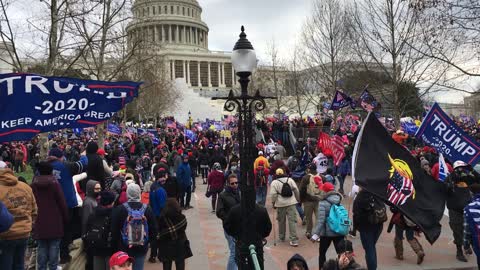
(193, 182)
(325, 242)
(67, 235)
(153, 249)
(185, 197)
(179, 265)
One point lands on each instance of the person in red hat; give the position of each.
(121, 261)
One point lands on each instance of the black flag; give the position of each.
(388, 170)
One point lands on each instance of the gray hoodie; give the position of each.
(89, 203)
(324, 205)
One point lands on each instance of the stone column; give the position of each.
(198, 73)
(198, 36)
(209, 77)
(189, 83)
(173, 69)
(219, 75)
(223, 74)
(155, 34)
(177, 37)
(170, 33)
(190, 40)
(183, 72)
(163, 32)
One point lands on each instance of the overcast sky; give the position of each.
(264, 20)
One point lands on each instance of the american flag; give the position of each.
(399, 189)
(337, 149)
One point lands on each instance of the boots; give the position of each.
(460, 255)
(398, 245)
(418, 249)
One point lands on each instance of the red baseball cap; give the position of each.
(101, 152)
(120, 258)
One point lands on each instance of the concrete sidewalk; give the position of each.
(211, 252)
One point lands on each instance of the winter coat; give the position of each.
(95, 169)
(52, 208)
(184, 176)
(6, 219)
(177, 162)
(89, 203)
(261, 180)
(216, 180)
(20, 202)
(458, 193)
(100, 212)
(324, 206)
(361, 211)
(172, 240)
(276, 190)
(203, 158)
(297, 257)
(64, 172)
(257, 161)
(278, 164)
(119, 215)
(233, 224)
(306, 192)
(226, 200)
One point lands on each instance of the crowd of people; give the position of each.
(126, 199)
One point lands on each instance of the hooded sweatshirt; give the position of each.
(20, 202)
(324, 205)
(89, 203)
(297, 257)
(184, 176)
(52, 208)
(95, 170)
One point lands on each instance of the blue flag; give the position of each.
(368, 102)
(114, 129)
(439, 131)
(340, 100)
(31, 104)
(190, 135)
(442, 168)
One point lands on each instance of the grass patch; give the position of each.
(27, 174)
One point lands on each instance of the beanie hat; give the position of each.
(3, 165)
(133, 193)
(327, 187)
(44, 168)
(261, 162)
(92, 147)
(106, 198)
(216, 166)
(56, 152)
(279, 171)
(424, 162)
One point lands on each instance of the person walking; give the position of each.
(92, 190)
(98, 231)
(261, 178)
(226, 200)
(173, 243)
(261, 157)
(323, 232)
(310, 195)
(123, 216)
(403, 224)
(471, 222)
(52, 216)
(20, 202)
(284, 194)
(184, 178)
(158, 198)
(216, 181)
(369, 214)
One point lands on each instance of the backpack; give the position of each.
(135, 228)
(286, 190)
(377, 211)
(338, 220)
(98, 236)
(261, 176)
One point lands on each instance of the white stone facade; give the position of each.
(176, 31)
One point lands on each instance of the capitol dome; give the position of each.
(169, 23)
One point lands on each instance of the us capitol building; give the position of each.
(176, 29)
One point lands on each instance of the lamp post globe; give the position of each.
(244, 59)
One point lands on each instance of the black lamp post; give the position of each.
(244, 62)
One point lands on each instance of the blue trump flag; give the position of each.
(31, 104)
(340, 100)
(114, 129)
(439, 131)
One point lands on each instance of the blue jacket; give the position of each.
(184, 176)
(64, 172)
(471, 221)
(6, 219)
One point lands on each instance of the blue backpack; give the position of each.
(135, 228)
(338, 220)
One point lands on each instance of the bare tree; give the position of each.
(297, 83)
(385, 31)
(326, 41)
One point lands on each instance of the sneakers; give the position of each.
(468, 251)
(308, 235)
(304, 221)
(294, 243)
(152, 260)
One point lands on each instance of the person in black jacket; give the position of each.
(172, 239)
(119, 216)
(102, 213)
(95, 170)
(233, 226)
(362, 221)
(227, 199)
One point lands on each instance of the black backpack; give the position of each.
(286, 189)
(377, 212)
(98, 235)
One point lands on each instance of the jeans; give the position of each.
(369, 240)
(138, 263)
(300, 210)
(193, 182)
(285, 214)
(409, 233)
(341, 180)
(231, 265)
(261, 195)
(185, 197)
(48, 252)
(12, 253)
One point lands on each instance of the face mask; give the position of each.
(233, 168)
